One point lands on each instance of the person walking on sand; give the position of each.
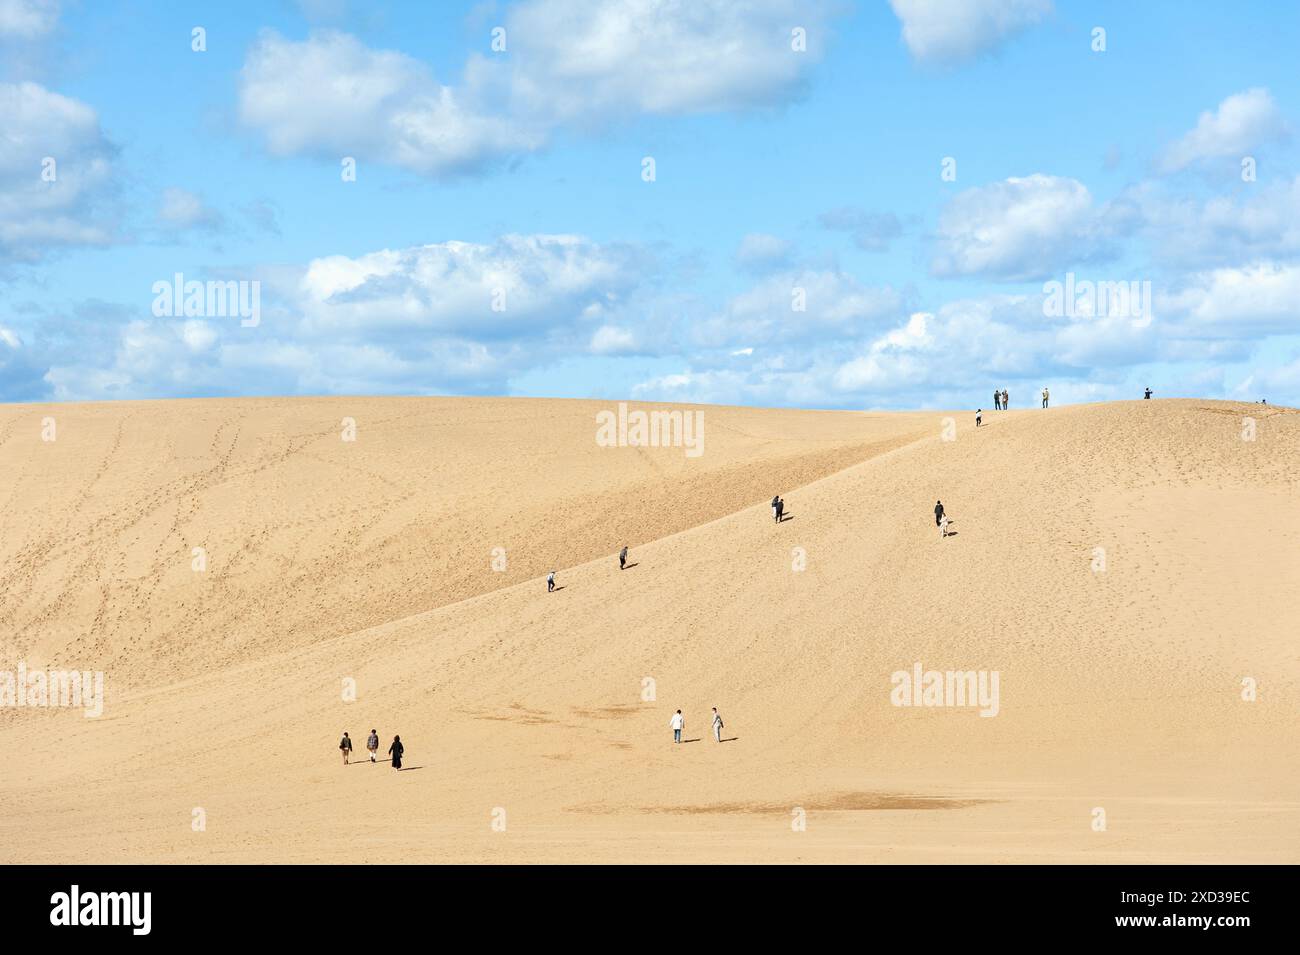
(677, 723)
(550, 582)
(780, 510)
(943, 526)
(372, 744)
(979, 416)
(938, 512)
(346, 745)
(997, 400)
(622, 557)
(775, 501)
(717, 725)
(1006, 400)
(396, 751)
(1045, 397)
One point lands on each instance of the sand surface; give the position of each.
(536, 724)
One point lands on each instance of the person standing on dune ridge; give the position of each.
(1045, 397)
(1006, 400)
(997, 400)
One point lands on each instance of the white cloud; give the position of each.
(28, 18)
(835, 304)
(330, 95)
(1262, 224)
(518, 286)
(568, 62)
(1242, 122)
(182, 209)
(613, 340)
(579, 60)
(955, 30)
(44, 130)
(1020, 229)
(1258, 298)
(759, 252)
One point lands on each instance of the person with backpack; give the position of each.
(346, 745)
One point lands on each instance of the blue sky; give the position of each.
(500, 237)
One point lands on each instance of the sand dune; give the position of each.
(1120, 684)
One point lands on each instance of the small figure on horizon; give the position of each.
(677, 723)
(372, 744)
(1147, 396)
(1045, 397)
(622, 557)
(346, 745)
(717, 725)
(396, 751)
(979, 416)
(550, 582)
(997, 400)
(1005, 398)
(938, 512)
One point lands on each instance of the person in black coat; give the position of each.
(938, 512)
(396, 751)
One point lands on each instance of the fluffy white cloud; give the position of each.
(1242, 122)
(579, 60)
(796, 306)
(1187, 232)
(519, 286)
(1258, 298)
(954, 30)
(1022, 228)
(54, 172)
(28, 18)
(331, 95)
(569, 62)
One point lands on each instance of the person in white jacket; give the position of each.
(677, 723)
(717, 725)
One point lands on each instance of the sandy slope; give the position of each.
(370, 561)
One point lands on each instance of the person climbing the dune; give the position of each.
(396, 751)
(550, 582)
(717, 725)
(780, 510)
(622, 557)
(346, 745)
(979, 416)
(372, 744)
(938, 512)
(677, 723)
(775, 501)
